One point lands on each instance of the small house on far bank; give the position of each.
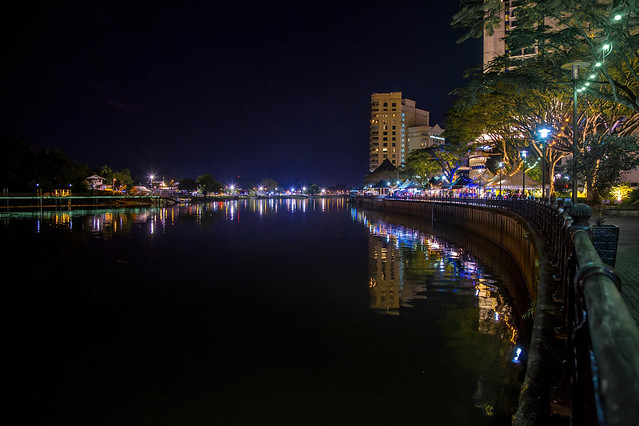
(140, 190)
(95, 182)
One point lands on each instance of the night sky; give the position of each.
(258, 90)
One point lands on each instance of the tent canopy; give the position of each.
(381, 184)
(514, 182)
(410, 184)
(461, 182)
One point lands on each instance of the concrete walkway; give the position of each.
(627, 262)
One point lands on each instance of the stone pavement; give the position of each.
(627, 262)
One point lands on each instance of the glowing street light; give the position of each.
(524, 154)
(543, 133)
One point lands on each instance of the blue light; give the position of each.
(516, 359)
(544, 133)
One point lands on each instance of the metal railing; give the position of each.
(601, 363)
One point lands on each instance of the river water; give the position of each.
(255, 312)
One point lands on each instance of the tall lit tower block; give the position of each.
(391, 117)
(495, 45)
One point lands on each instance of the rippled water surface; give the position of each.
(252, 312)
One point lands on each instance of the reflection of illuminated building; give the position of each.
(397, 253)
(389, 289)
(404, 263)
(385, 275)
(495, 315)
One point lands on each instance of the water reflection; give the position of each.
(415, 272)
(106, 222)
(406, 264)
(186, 314)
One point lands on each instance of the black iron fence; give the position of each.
(601, 379)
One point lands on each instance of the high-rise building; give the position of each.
(391, 118)
(495, 45)
(420, 137)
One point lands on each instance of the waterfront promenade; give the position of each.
(627, 262)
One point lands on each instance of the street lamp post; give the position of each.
(574, 75)
(544, 135)
(501, 165)
(524, 153)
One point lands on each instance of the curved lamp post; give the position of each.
(501, 166)
(524, 153)
(573, 67)
(543, 132)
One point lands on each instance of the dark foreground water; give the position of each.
(270, 312)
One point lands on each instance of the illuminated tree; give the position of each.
(601, 33)
(449, 158)
(421, 166)
(523, 91)
(601, 160)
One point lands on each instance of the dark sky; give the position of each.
(256, 89)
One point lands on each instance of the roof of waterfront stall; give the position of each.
(381, 184)
(461, 182)
(483, 178)
(410, 184)
(514, 181)
(385, 166)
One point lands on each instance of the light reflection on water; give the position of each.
(121, 220)
(406, 264)
(302, 303)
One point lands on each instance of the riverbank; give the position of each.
(518, 238)
(26, 202)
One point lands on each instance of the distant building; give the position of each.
(420, 137)
(397, 127)
(94, 182)
(495, 44)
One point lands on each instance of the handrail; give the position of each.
(613, 338)
(602, 347)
